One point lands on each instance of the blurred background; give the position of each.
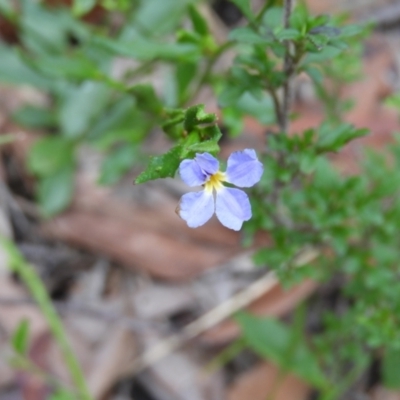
(130, 281)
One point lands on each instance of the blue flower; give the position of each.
(232, 206)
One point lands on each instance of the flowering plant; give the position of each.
(350, 224)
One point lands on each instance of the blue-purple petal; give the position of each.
(244, 169)
(191, 173)
(208, 164)
(196, 208)
(232, 207)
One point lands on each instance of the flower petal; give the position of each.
(244, 169)
(232, 207)
(196, 208)
(191, 173)
(208, 164)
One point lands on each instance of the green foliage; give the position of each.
(20, 338)
(349, 223)
(26, 272)
(391, 368)
(274, 341)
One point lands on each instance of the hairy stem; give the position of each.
(288, 70)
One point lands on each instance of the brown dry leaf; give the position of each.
(179, 376)
(161, 255)
(263, 381)
(275, 303)
(111, 361)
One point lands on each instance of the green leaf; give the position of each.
(247, 35)
(160, 17)
(55, 191)
(146, 98)
(81, 106)
(274, 341)
(172, 125)
(184, 75)
(145, 49)
(49, 155)
(34, 117)
(287, 34)
(82, 7)
(72, 66)
(117, 164)
(198, 21)
(273, 18)
(196, 115)
(244, 7)
(299, 18)
(314, 73)
(390, 368)
(262, 109)
(333, 138)
(327, 53)
(209, 146)
(163, 166)
(14, 70)
(20, 338)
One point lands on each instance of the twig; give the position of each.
(288, 70)
(216, 315)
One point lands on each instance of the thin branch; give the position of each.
(217, 314)
(288, 70)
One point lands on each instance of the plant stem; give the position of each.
(28, 275)
(226, 355)
(207, 71)
(288, 70)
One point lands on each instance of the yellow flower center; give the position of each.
(215, 181)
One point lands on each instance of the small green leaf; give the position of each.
(147, 98)
(287, 34)
(163, 166)
(273, 18)
(13, 69)
(391, 368)
(333, 138)
(82, 7)
(327, 53)
(34, 117)
(145, 49)
(314, 73)
(81, 106)
(299, 18)
(49, 155)
(117, 164)
(247, 35)
(196, 115)
(198, 21)
(172, 126)
(209, 146)
(55, 191)
(20, 338)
